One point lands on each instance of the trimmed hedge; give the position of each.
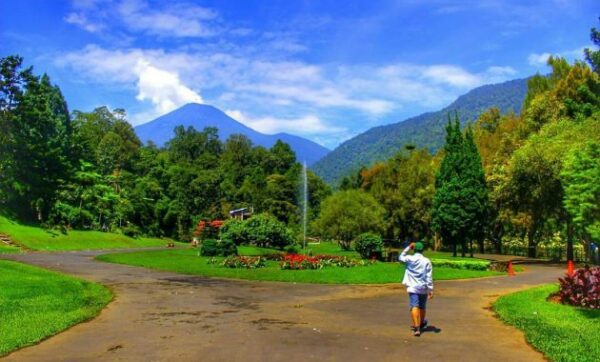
(461, 264)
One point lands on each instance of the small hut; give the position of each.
(242, 213)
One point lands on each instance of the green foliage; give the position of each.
(460, 203)
(37, 304)
(212, 247)
(593, 56)
(550, 327)
(234, 230)
(347, 214)
(264, 230)
(404, 186)
(366, 244)
(580, 176)
(461, 264)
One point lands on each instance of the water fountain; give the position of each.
(304, 202)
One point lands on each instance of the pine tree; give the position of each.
(460, 201)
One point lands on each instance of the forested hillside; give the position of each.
(423, 131)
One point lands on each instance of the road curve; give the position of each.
(163, 316)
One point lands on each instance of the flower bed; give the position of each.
(582, 289)
(304, 262)
(246, 262)
(461, 264)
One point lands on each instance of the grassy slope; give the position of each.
(36, 238)
(8, 249)
(562, 333)
(187, 261)
(36, 303)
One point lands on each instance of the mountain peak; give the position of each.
(200, 116)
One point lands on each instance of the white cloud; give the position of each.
(176, 19)
(171, 19)
(281, 96)
(306, 125)
(164, 89)
(538, 60)
(83, 22)
(541, 59)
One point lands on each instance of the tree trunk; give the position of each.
(481, 247)
(497, 236)
(471, 247)
(463, 246)
(437, 242)
(454, 250)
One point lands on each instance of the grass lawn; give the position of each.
(36, 303)
(36, 238)
(561, 332)
(8, 249)
(187, 261)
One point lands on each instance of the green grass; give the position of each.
(36, 238)
(561, 332)
(36, 303)
(187, 261)
(8, 249)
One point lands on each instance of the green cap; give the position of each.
(419, 246)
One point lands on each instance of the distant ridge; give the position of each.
(424, 131)
(160, 130)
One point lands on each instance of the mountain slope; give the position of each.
(426, 130)
(200, 116)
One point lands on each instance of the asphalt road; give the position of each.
(163, 316)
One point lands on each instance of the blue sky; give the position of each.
(323, 69)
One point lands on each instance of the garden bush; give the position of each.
(367, 244)
(264, 230)
(461, 264)
(211, 247)
(234, 230)
(582, 289)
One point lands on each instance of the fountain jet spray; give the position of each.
(304, 201)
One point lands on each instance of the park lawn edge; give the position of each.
(549, 326)
(104, 295)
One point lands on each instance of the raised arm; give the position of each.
(404, 257)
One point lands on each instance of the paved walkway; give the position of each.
(160, 316)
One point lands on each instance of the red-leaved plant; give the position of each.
(582, 289)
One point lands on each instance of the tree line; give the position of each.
(89, 170)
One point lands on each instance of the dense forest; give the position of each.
(88, 170)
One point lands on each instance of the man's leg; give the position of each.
(422, 309)
(416, 316)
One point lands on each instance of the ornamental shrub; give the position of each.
(264, 230)
(367, 244)
(461, 264)
(211, 247)
(234, 230)
(582, 289)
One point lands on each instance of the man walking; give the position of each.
(419, 284)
